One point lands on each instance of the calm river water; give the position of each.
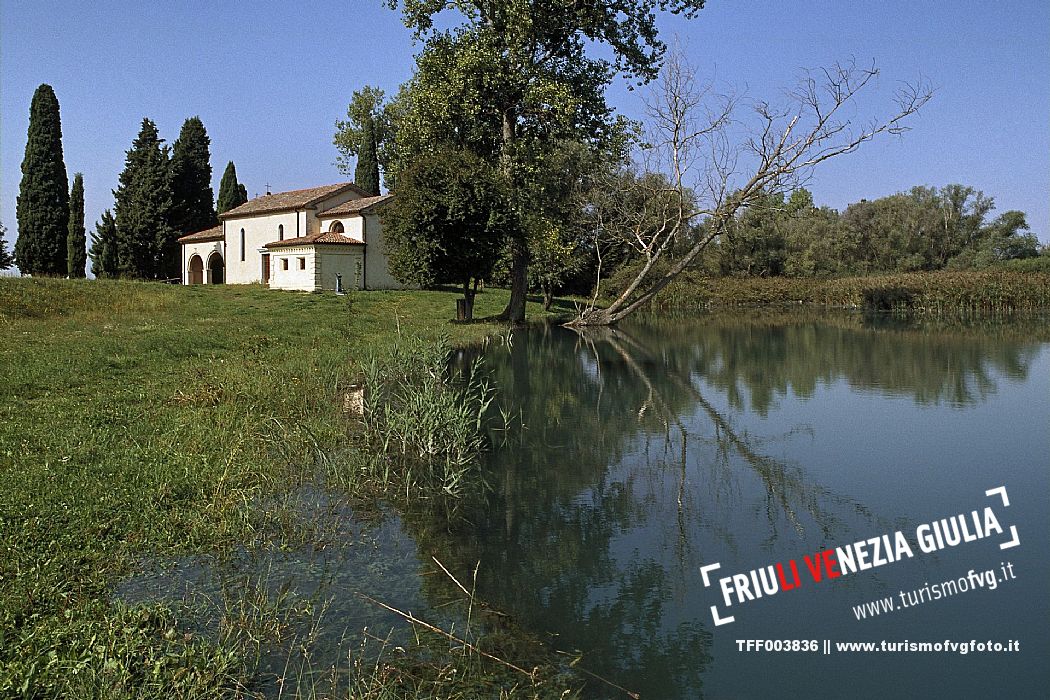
(647, 452)
(636, 457)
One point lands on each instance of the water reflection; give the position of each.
(756, 357)
(638, 455)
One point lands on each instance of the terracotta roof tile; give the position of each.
(211, 234)
(295, 199)
(355, 206)
(314, 238)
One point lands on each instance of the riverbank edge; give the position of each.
(991, 291)
(147, 421)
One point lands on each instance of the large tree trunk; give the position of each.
(468, 301)
(519, 250)
(519, 282)
(548, 297)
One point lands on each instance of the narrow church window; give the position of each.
(242, 245)
(280, 232)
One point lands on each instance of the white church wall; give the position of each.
(294, 267)
(244, 264)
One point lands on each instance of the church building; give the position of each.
(321, 238)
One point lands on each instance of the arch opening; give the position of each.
(216, 269)
(196, 268)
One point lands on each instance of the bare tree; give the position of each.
(702, 165)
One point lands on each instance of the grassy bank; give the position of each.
(935, 292)
(145, 420)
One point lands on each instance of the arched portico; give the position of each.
(196, 267)
(216, 269)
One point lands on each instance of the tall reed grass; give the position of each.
(997, 291)
(423, 422)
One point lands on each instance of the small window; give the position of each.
(242, 245)
(336, 227)
(302, 263)
(280, 232)
(284, 263)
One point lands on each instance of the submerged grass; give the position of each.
(461, 664)
(142, 420)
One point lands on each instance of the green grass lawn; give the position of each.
(144, 420)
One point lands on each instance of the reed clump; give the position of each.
(423, 421)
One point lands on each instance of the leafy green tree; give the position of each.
(232, 194)
(6, 260)
(515, 72)
(363, 138)
(560, 185)
(815, 244)
(963, 210)
(104, 260)
(554, 258)
(192, 206)
(76, 243)
(754, 244)
(146, 240)
(922, 229)
(451, 233)
(43, 196)
(1000, 241)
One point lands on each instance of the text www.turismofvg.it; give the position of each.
(972, 581)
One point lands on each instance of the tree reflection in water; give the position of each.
(621, 468)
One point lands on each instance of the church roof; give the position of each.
(315, 238)
(285, 201)
(355, 206)
(211, 234)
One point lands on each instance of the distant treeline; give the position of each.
(923, 229)
(785, 238)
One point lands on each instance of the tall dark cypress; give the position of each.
(76, 244)
(231, 193)
(146, 241)
(104, 247)
(43, 197)
(6, 259)
(193, 207)
(366, 174)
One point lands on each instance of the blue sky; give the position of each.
(269, 80)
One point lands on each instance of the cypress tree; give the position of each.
(6, 260)
(43, 197)
(193, 207)
(366, 174)
(104, 247)
(76, 256)
(231, 193)
(146, 242)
